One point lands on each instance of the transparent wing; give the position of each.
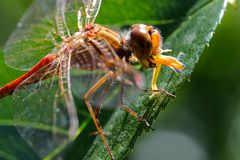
(44, 109)
(72, 7)
(92, 8)
(60, 18)
(36, 34)
(33, 37)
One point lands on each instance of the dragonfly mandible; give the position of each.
(91, 48)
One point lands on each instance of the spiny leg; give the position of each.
(169, 61)
(101, 99)
(126, 108)
(134, 114)
(155, 75)
(95, 120)
(155, 89)
(165, 50)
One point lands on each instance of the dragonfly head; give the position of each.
(144, 41)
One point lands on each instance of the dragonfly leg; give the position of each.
(155, 75)
(101, 99)
(129, 110)
(90, 109)
(169, 61)
(158, 91)
(155, 89)
(165, 50)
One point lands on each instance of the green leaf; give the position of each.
(191, 37)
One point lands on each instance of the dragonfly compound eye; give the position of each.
(141, 43)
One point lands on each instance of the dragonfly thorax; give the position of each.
(100, 32)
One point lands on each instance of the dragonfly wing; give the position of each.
(67, 20)
(60, 19)
(33, 37)
(66, 93)
(44, 110)
(71, 14)
(36, 34)
(92, 8)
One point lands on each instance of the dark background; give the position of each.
(204, 120)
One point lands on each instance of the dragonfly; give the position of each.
(67, 56)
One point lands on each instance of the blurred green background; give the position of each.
(203, 123)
